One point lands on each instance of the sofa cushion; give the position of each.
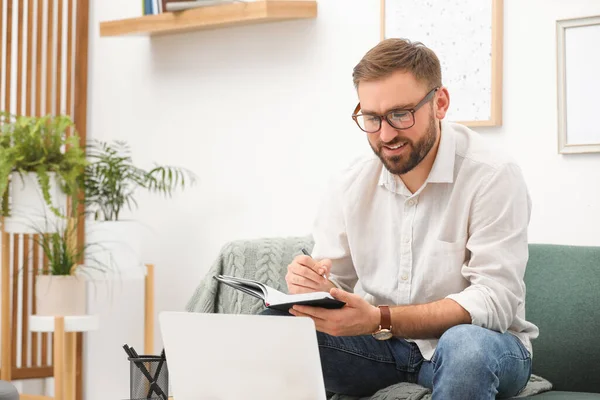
(556, 395)
(563, 300)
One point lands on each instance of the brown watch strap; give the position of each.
(386, 317)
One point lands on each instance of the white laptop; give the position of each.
(241, 357)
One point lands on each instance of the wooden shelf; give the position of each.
(212, 17)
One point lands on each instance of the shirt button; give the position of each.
(410, 203)
(406, 239)
(404, 277)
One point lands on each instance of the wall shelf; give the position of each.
(212, 17)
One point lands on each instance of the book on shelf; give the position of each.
(275, 299)
(152, 7)
(181, 5)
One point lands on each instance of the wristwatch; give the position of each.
(385, 326)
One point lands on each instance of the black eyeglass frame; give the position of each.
(413, 110)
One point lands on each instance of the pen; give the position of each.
(306, 253)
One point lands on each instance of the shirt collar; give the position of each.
(442, 170)
(392, 182)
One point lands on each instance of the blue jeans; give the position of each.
(469, 362)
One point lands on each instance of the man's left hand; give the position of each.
(357, 317)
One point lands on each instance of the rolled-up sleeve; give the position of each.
(331, 241)
(499, 250)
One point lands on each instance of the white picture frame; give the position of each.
(472, 65)
(578, 63)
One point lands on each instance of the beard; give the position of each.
(404, 163)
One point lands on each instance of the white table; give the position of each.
(65, 341)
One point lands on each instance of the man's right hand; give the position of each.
(305, 275)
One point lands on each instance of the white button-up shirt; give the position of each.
(462, 235)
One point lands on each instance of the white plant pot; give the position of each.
(60, 295)
(29, 211)
(116, 245)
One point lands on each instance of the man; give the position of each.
(434, 228)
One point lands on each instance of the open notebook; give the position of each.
(277, 300)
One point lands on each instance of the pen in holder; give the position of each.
(148, 375)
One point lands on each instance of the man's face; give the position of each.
(399, 150)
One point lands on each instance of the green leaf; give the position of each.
(111, 179)
(41, 145)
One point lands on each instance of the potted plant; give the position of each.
(42, 164)
(111, 181)
(61, 288)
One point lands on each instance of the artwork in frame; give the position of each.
(470, 56)
(578, 63)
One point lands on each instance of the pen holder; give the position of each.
(148, 377)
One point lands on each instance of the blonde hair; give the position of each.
(392, 55)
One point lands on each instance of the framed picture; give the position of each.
(467, 36)
(578, 63)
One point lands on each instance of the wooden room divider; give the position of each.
(43, 70)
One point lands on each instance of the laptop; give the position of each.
(235, 357)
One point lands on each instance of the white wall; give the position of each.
(565, 188)
(262, 115)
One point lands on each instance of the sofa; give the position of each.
(562, 299)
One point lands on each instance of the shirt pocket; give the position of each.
(445, 262)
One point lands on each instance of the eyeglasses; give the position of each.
(399, 119)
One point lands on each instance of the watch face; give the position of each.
(383, 334)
